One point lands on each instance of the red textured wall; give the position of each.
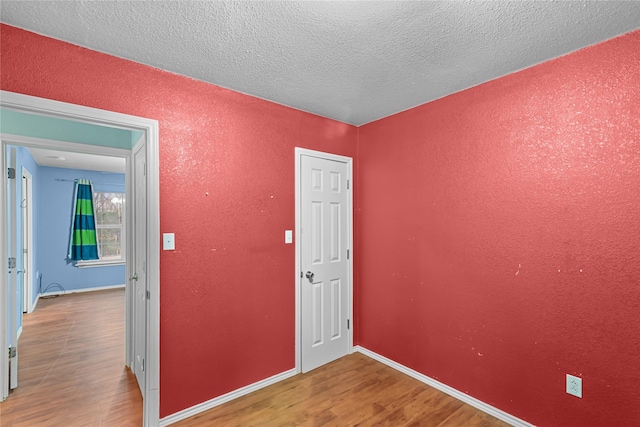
(227, 292)
(499, 238)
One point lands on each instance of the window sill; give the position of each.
(91, 264)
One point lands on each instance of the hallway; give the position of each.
(72, 365)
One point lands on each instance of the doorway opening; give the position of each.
(148, 145)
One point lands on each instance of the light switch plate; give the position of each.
(168, 241)
(288, 236)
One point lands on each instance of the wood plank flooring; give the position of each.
(72, 373)
(72, 365)
(352, 391)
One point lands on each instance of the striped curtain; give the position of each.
(83, 244)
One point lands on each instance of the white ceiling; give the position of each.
(69, 160)
(352, 61)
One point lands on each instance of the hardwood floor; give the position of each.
(72, 373)
(72, 369)
(352, 391)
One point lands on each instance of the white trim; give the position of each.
(29, 141)
(79, 291)
(136, 351)
(151, 414)
(93, 264)
(35, 303)
(11, 304)
(19, 332)
(299, 152)
(205, 406)
(478, 404)
(28, 284)
(75, 112)
(99, 288)
(129, 268)
(149, 127)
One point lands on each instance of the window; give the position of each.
(110, 227)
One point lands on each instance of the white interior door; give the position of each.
(324, 282)
(15, 302)
(140, 274)
(27, 241)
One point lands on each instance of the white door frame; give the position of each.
(27, 233)
(140, 275)
(299, 152)
(63, 110)
(14, 307)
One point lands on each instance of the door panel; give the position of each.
(324, 286)
(335, 232)
(336, 314)
(140, 277)
(317, 303)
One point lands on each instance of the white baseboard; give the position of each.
(75, 291)
(478, 404)
(33, 306)
(204, 406)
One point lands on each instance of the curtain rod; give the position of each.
(101, 183)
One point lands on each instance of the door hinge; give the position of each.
(13, 352)
(11, 173)
(348, 324)
(301, 275)
(12, 262)
(142, 365)
(148, 295)
(347, 253)
(347, 184)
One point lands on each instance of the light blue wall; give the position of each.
(55, 203)
(17, 123)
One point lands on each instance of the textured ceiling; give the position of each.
(352, 61)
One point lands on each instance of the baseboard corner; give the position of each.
(476, 403)
(216, 401)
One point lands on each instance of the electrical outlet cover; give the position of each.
(574, 386)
